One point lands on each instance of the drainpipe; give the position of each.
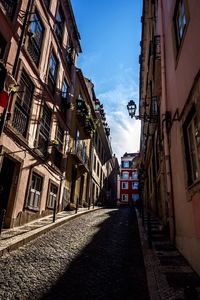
(21, 39)
(169, 182)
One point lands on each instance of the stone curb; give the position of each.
(148, 257)
(15, 242)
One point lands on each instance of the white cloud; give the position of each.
(125, 132)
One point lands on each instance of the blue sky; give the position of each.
(110, 33)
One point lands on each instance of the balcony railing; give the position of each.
(89, 125)
(20, 120)
(81, 108)
(34, 50)
(79, 150)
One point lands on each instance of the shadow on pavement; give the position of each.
(110, 267)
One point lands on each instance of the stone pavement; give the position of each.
(11, 239)
(169, 275)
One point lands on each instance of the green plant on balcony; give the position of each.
(90, 124)
(81, 107)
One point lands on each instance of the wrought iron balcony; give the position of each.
(89, 125)
(107, 129)
(20, 120)
(78, 151)
(81, 108)
(34, 49)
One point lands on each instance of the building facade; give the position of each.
(169, 74)
(48, 120)
(129, 183)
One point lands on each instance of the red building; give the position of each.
(129, 183)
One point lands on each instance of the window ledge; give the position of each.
(35, 209)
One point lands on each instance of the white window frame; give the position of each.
(133, 185)
(35, 192)
(124, 164)
(124, 197)
(126, 185)
(135, 175)
(123, 175)
(52, 197)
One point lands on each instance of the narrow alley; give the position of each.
(96, 256)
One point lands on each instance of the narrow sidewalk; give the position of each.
(169, 275)
(11, 239)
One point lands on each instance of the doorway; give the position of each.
(7, 191)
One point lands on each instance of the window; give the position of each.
(53, 69)
(101, 177)
(36, 33)
(125, 185)
(35, 192)
(53, 191)
(59, 147)
(191, 132)
(44, 132)
(23, 105)
(59, 24)
(2, 46)
(69, 53)
(60, 137)
(135, 185)
(64, 100)
(124, 197)
(125, 164)
(97, 192)
(98, 169)
(95, 162)
(84, 153)
(125, 175)
(135, 175)
(135, 197)
(180, 20)
(77, 141)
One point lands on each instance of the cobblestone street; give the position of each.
(96, 256)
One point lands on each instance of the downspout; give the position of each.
(168, 169)
(21, 39)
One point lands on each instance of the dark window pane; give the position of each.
(59, 25)
(2, 46)
(45, 124)
(23, 105)
(35, 38)
(53, 68)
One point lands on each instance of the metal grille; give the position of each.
(9, 6)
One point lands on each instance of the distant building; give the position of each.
(129, 184)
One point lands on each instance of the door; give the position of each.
(6, 181)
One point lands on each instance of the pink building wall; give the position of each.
(180, 72)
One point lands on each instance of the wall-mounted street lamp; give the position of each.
(152, 115)
(131, 106)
